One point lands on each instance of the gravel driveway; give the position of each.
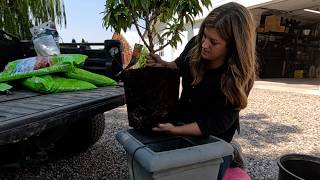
(274, 123)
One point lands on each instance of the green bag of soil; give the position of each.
(152, 95)
(41, 65)
(96, 79)
(4, 87)
(55, 84)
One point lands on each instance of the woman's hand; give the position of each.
(166, 128)
(191, 129)
(154, 60)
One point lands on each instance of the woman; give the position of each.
(218, 68)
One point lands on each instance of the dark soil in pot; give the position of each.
(151, 95)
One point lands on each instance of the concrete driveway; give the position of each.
(304, 86)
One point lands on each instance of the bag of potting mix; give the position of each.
(4, 87)
(96, 79)
(142, 60)
(41, 65)
(139, 56)
(55, 84)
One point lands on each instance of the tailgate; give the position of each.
(25, 113)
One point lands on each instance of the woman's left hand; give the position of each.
(167, 128)
(191, 129)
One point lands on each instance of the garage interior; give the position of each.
(288, 38)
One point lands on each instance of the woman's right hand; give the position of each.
(154, 60)
(166, 128)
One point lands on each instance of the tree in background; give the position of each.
(122, 14)
(18, 16)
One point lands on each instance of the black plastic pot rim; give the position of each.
(293, 155)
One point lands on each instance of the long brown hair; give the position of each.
(236, 26)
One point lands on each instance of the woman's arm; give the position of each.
(219, 122)
(191, 129)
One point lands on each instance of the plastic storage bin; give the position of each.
(161, 157)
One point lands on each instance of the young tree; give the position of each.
(17, 16)
(122, 14)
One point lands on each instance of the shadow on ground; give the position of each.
(259, 131)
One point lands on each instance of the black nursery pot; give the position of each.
(151, 95)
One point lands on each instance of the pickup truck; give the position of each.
(35, 126)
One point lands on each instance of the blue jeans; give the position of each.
(224, 166)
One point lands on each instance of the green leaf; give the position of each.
(18, 16)
(171, 13)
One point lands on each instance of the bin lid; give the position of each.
(158, 152)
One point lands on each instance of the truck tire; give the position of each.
(94, 129)
(81, 135)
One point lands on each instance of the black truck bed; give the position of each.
(25, 113)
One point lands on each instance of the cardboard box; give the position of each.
(260, 29)
(273, 20)
(298, 74)
(281, 29)
(274, 28)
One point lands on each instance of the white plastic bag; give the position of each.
(45, 39)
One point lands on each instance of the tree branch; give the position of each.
(161, 47)
(141, 26)
(138, 29)
(139, 32)
(153, 16)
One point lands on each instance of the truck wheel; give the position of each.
(91, 130)
(81, 135)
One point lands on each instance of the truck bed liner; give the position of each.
(26, 113)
